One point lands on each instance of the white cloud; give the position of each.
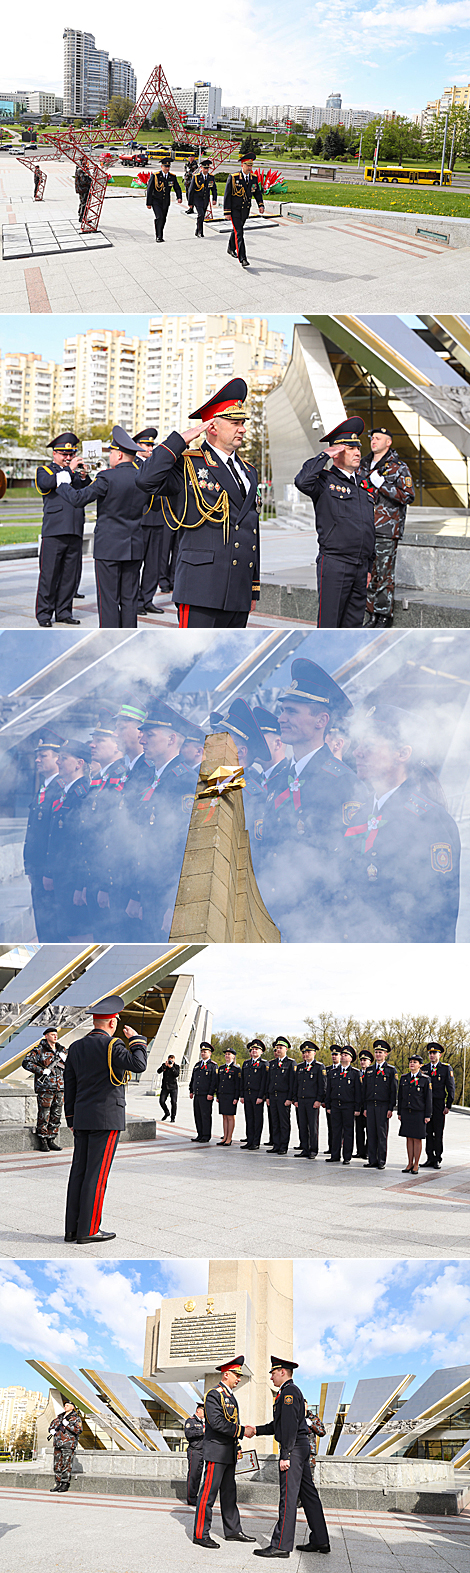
(109, 1296)
(29, 1327)
(346, 1314)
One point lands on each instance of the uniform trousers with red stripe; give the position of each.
(295, 1482)
(93, 1153)
(218, 1478)
(210, 617)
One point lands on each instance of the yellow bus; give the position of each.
(400, 175)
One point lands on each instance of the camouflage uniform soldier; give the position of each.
(393, 490)
(65, 1430)
(47, 1061)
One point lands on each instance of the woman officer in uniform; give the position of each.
(414, 1109)
(228, 1093)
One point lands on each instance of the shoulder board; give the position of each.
(193, 453)
(416, 804)
(135, 465)
(331, 768)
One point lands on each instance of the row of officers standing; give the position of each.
(358, 1101)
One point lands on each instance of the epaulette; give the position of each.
(416, 804)
(332, 769)
(192, 453)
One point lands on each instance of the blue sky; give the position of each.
(377, 53)
(44, 335)
(351, 1318)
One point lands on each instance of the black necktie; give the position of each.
(231, 467)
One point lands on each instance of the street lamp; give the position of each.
(376, 154)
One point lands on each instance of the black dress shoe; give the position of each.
(267, 1551)
(246, 265)
(55, 1488)
(346, 1161)
(71, 1239)
(46, 623)
(308, 1547)
(302, 1154)
(197, 1139)
(151, 608)
(380, 1165)
(332, 1160)
(213, 1544)
(53, 1146)
(371, 1166)
(79, 596)
(91, 1239)
(71, 622)
(427, 1165)
(241, 1536)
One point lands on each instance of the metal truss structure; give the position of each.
(81, 143)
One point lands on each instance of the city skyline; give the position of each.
(352, 1319)
(383, 55)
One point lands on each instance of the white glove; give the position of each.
(64, 480)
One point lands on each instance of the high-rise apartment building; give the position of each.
(103, 376)
(91, 77)
(19, 1410)
(202, 99)
(32, 388)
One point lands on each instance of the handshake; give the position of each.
(250, 1431)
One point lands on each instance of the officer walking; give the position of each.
(289, 1426)
(189, 169)
(210, 495)
(379, 1097)
(60, 484)
(202, 1091)
(47, 1060)
(253, 1088)
(309, 1094)
(37, 833)
(238, 196)
(442, 1081)
(281, 1082)
(65, 1430)
(343, 1101)
(222, 1437)
(202, 188)
(152, 533)
(344, 519)
(393, 491)
(194, 1433)
(97, 1068)
(118, 541)
(159, 189)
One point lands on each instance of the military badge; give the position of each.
(187, 803)
(288, 1398)
(349, 810)
(441, 857)
(372, 871)
(203, 474)
(258, 829)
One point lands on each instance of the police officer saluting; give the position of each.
(210, 495)
(159, 189)
(202, 1091)
(97, 1068)
(344, 1100)
(202, 188)
(253, 1087)
(62, 531)
(222, 1437)
(309, 1094)
(379, 1097)
(441, 1077)
(238, 196)
(344, 518)
(289, 1426)
(118, 542)
(152, 532)
(194, 1433)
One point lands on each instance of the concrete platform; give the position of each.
(104, 1534)
(49, 238)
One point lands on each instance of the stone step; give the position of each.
(22, 1138)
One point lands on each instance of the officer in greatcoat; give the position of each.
(210, 495)
(60, 484)
(344, 519)
(97, 1068)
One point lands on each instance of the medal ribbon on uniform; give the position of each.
(222, 779)
(370, 831)
(292, 792)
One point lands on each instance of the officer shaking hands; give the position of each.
(344, 518)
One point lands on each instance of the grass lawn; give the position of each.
(14, 534)
(454, 204)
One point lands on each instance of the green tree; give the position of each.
(10, 425)
(119, 110)
(400, 140)
(317, 145)
(158, 120)
(248, 147)
(334, 144)
(403, 1033)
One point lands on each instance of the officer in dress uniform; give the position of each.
(366, 1059)
(253, 1088)
(156, 825)
(238, 196)
(222, 1437)
(346, 1102)
(62, 531)
(281, 1081)
(442, 1081)
(159, 189)
(91, 895)
(314, 796)
(401, 881)
(65, 1430)
(194, 1433)
(152, 532)
(309, 1094)
(202, 1091)
(414, 1109)
(344, 519)
(202, 188)
(47, 1061)
(97, 1068)
(289, 1426)
(59, 878)
(228, 1093)
(37, 832)
(379, 1097)
(118, 541)
(331, 1082)
(210, 495)
(189, 169)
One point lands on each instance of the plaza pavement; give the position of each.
(332, 263)
(111, 1535)
(172, 1198)
(294, 549)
